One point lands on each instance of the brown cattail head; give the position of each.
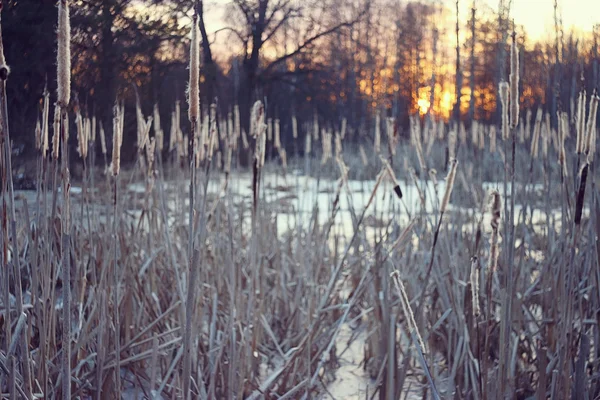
(504, 89)
(194, 83)
(514, 82)
(64, 54)
(580, 123)
(449, 185)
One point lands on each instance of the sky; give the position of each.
(537, 16)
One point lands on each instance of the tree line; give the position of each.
(324, 61)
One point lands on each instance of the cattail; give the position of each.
(363, 155)
(212, 138)
(392, 176)
(338, 145)
(262, 141)
(326, 146)
(521, 131)
(563, 128)
(449, 185)
(307, 143)
(590, 135)
(545, 136)
(474, 278)
(390, 123)
(343, 129)
(416, 139)
(377, 140)
(194, 88)
(255, 117)
(537, 127)
(82, 138)
(178, 132)
(277, 142)
(528, 124)
(228, 156)
(102, 139)
(415, 180)
(580, 122)
(45, 122)
(38, 135)
(294, 127)
(514, 82)
(481, 142)
(504, 89)
(495, 223)
(315, 127)
(343, 171)
(441, 129)
(150, 150)
(462, 132)
(492, 139)
(56, 135)
(269, 129)
(64, 55)
(408, 312)
(236, 121)
(581, 193)
(283, 156)
(475, 134)
(116, 155)
(172, 133)
(93, 129)
(245, 140)
(433, 178)
(452, 144)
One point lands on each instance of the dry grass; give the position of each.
(193, 285)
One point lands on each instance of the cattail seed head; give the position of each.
(514, 82)
(194, 84)
(452, 144)
(294, 127)
(117, 140)
(343, 129)
(537, 127)
(64, 54)
(45, 122)
(377, 140)
(590, 134)
(277, 141)
(492, 139)
(102, 139)
(56, 135)
(449, 185)
(307, 143)
(580, 123)
(38, 135)
(474, 278)
(363, 155)
(504, 89)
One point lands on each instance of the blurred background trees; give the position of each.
(329, 60)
